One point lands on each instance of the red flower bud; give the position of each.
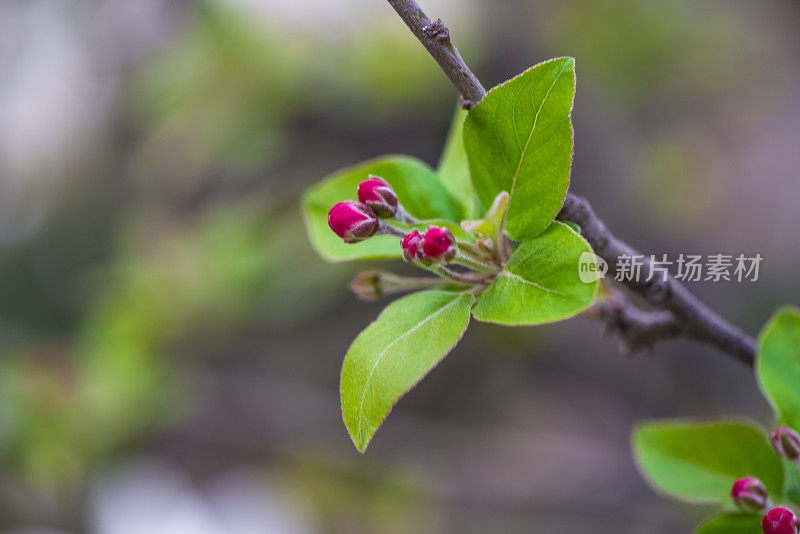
(378, 195)
(786, 442)
(780, 520)
(352, 221)
(438, 245)
(412, 243)
(749, 494)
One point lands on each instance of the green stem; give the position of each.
(473, 263)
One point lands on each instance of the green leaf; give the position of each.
(540, 283)
(698, 462)
(519, 139)
(417, 188)
(733, 523)
(453, 168)
(393, 353)
(791, 482)
(491, 223)
(778, 364)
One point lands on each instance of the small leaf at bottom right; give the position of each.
(698, 462)
(778, 364)
(734, 523)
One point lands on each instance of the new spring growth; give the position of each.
(780, 520)
(786, 443)
(379, 212)
(750, 495)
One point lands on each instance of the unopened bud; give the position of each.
(352, 221)
(786, 443)
(438, 245)
(368, 285)
(780, 520)
(749, 494)
(378, 195)
(412, 246)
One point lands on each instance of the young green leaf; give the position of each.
(732, 523)
(778, 364)
(519, 139)
(541, 281)
(698, 462)
(491, 223)
(453, 168)
(791, 477)
(418, 190)
(393, 353)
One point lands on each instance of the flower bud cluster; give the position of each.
(786, 443)
(378, 212)
(356, 221)
(436, 245)
(780, 520)
(750, 495)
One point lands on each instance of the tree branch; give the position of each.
(436, 39)
(697, 320)
(685, 314)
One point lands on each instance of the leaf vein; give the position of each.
(531, 282)
(384, 351)
(530, 135)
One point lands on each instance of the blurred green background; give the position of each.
(170, 344)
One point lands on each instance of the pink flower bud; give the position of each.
(780, 520)
(786, 442)
(412, 243)
(352, 221)
(438, 245)
(378, 195)
(749, 494)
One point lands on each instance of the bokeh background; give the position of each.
(170, 344)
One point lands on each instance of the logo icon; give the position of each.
(591, 268)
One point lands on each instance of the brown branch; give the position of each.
(697, 320)
(436, 39)
(692, 317)
(637, 329)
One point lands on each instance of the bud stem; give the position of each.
(504, 250)
(370, 285)
(463, 278)
(467, 260)
(404, 217)
(385, 228)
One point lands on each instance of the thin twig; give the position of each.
(693, 317)
(436, 39)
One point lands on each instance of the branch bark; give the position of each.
(696, 320)
(684, 314)
(637, 329)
